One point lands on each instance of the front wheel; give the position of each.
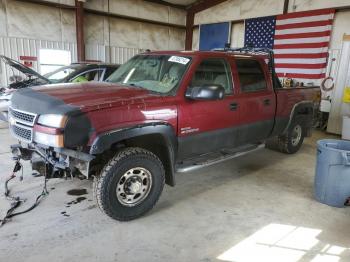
(130, 184)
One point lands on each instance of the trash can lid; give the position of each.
(334, 145)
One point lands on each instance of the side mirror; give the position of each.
(205, 92)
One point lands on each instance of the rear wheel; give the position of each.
(290, 142)
(130, 184)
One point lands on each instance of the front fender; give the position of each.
(163, 131)
(105, 140)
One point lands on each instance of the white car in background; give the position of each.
(77, 72)
(5, 97)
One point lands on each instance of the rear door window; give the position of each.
(251, 75)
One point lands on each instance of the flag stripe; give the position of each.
(304, 45)
(303, 30)
(302, 40)
(303, 76)
(301, 51)
(304, 19)
(308, 55)
(305, 13)
(300, 60)
(301, 66)
(303, 25)
(303, 35)
(300, 70)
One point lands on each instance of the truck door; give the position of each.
(256, 100)
(208, 125)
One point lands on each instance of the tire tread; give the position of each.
(281, 143)
(99, 182)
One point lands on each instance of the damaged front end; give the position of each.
(60, 161)
(51, 134)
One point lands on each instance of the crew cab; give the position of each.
(158, 114)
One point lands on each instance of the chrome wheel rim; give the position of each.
(134, 186)
(296, 135)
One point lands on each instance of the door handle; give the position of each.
(233, 106)
(267, 102)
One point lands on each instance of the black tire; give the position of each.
(287, 143)
(107, 184)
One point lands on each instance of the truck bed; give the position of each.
(288, 98)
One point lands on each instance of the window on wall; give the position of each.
(52, 59)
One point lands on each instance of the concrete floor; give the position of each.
(259, 207)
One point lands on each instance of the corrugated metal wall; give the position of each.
(120, 55)
(16, 47)
(110, 54)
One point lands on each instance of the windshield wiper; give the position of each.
(134, 85)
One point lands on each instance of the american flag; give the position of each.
(260, 32)
(300, 41)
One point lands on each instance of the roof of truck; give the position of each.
(209, 53)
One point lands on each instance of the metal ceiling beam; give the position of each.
(131, 18)
(161, 2)
(102, 13)
(48, 3)
(202, 5)
(79, 18)
(189, 30)
(285, 6)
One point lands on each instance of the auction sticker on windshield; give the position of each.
(179, 59)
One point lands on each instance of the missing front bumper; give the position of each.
(59, 159)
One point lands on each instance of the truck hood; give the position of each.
(62, 98)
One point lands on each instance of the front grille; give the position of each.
(23, 117)
(21, 124)
(22, 133)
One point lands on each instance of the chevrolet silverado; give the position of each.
(158, 114)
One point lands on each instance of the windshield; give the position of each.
(158, 73)
(61, 73)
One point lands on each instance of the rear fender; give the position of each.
(304, 112)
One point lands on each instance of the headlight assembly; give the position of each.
(49, 130)
(52, 120)
(48, 139)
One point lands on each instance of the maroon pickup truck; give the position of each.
(158, 114)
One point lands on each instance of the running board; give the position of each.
(207, 160)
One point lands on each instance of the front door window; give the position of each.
(213, 72)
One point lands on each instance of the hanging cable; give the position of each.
(16, 201)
